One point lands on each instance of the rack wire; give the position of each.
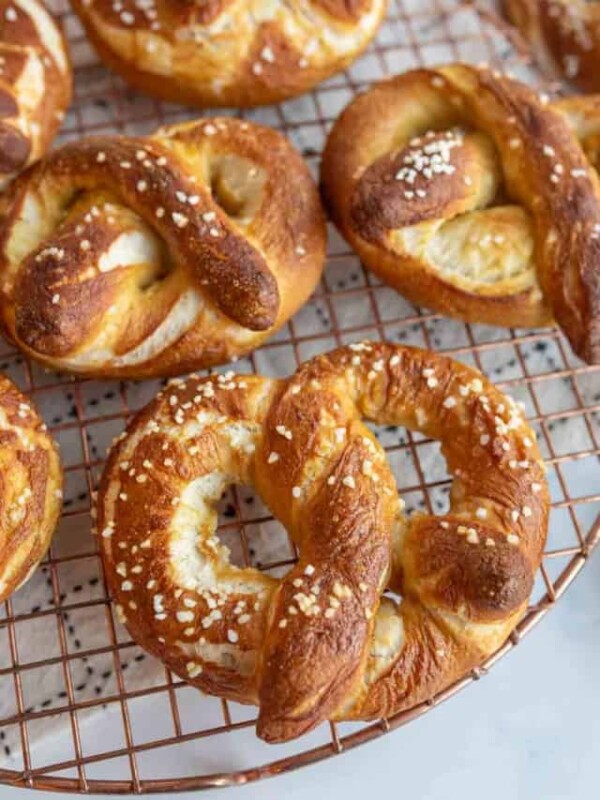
(117, 712)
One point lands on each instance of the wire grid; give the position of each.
(203, 736)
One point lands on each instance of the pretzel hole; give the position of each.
(591, 148)
(419, 468)
(250, 533)
(131, 241)
(158, 272)
(237, 184)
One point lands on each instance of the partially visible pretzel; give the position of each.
(35, 83)
(322, 643)
(229, 52)
(158, 255)
(471, 196)
(30, 488)
(564, 34)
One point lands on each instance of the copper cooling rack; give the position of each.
(118, 713)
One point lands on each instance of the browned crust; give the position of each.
(564, 207)
(30, 488)
(566, 31)
(18, 37)
(566, 220)
(252, 299)
(453, 569)
(348, 10)
(256, 277)
(288, 77)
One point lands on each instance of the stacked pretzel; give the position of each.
(472, 196)
(563, 34)
(35, 84)
(154, 256)
(322, 643)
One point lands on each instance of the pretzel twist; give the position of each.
(322, 643)
(157, 255)
(564, 34)
(229, 52)
(30, 488)
(35, 84)
(470, 195)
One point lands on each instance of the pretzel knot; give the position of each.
(30, 488)
(157, 255)
(225, 53)
(322, 642)
(471, 196)
(35, 83)
(563, 33)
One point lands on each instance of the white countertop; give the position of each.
(528, 730)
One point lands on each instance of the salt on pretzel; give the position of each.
(35, 84)
(158, 255)
(563, 34)
(322, 643)
(471, 196)
(30, 488)
(229, 52)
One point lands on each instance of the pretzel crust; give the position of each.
(35, 84)
(30, 488)
(564, 35)
(322, 643)
(224, 53)
(158, 255)
(429, 230)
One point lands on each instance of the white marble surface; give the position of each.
(527, 731)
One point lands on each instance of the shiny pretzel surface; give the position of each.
(31, 485)
(229, 52)
(472, 196)
(35, 84)
(158, 255)
(324, 642)
(563, 34)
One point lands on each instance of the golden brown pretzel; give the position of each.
(563, 34)
(35, 83)
(157, 255)
(30, 488)
(229, 52)
(322, 643)
(470, 195)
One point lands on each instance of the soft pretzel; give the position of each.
(470, 195)
(30, 488)
(322, 643)
(229, 52)
(151, 256)
(35, 83)
(564, 34)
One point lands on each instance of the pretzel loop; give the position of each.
(322, 643)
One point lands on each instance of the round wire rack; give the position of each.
(82, 708)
